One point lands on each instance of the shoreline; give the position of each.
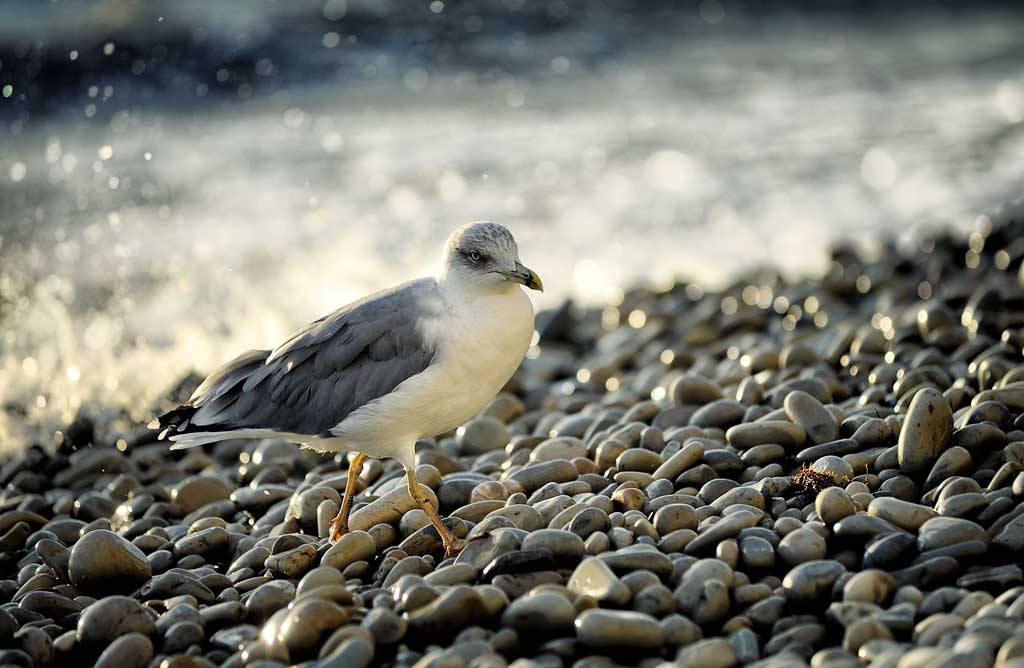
(777, 472)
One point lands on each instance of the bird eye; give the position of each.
(475, 256)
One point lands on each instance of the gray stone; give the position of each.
(806, 411)
(594, 578)
(483, 434)
(112, 617)
(833, 504)
(618, 629)
(926, 432)
(812, 581)
(801, 546)
(102, 562)
(543, 613)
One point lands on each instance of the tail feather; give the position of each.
(185, 441)
(213, 397)
(173, 421)
(193, 438)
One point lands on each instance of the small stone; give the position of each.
(483, 434)
(674, 517)
(638, 557)
(727, 527)
(544, 613)
(563, 447)
(803, 409)
(386, 627)
(535, 476)
(863, 630)
(691, 594)
(38, 644)
(588, 521)
(564, 546)
(801, 546)
(207, 543)
(926, 432)
(307, 624)
(235, 638)
(56, 556)
(268, 598)
(492, 490)
(451, 612)
(303, 505)
(184, 611)
(687, 457)
(130, 651)
(629, 498)
(353, 652)
(350, 548)
(655, 600)
(389, 508)
(103, 562)
(694, 389)
(906, 515)
(941, 532)
(812, 581)
(710, 653)
(195, 492)
(1011, 536)
(833, 504)
(746, 644)
(618, 629)
(594, 578)
(749, 434)
(112, 617)
(49, 604)
(292, 563)
(182, 635)
(953, 462)
(520, 561)
(175, 583)
(869, 586)
(721, 413)
(837, 467)
(757, 553)
(222, 614)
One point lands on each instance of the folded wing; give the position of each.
(326, 370)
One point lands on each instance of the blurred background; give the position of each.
(184, 179)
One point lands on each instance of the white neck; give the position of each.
(458, 284)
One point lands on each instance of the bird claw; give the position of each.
(452, 548)
(337, 531)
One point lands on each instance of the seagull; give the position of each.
(373, 377)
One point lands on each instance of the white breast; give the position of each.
(481, 340)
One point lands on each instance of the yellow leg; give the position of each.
(452, 545)
(339, 525)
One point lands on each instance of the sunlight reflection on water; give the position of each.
(164, 240)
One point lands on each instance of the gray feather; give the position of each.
(324, 371)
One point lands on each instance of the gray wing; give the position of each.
(326, 370)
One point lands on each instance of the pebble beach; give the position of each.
(823, 472)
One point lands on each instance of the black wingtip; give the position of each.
(172, 420)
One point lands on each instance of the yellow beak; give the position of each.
(524, 276)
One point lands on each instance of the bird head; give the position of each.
(485, 256)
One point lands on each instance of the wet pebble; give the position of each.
(719, 483)
(801, 546)
(926, 431)
(112, 617)
(133, 650)
(618, 629)
(102, 562)
(594, 578)
(541, 613)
